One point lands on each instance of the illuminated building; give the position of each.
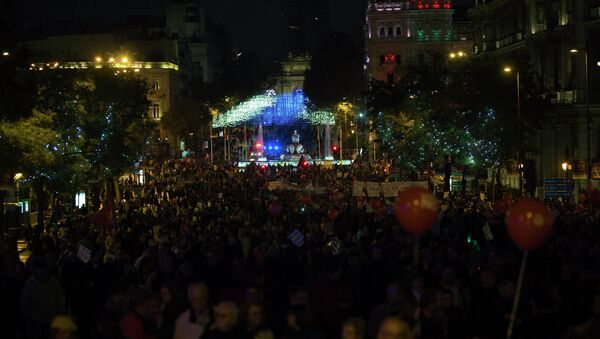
(553, 37)
(403, 32)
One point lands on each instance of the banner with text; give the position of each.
(388, 189)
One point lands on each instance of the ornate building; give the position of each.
(560, 40)
(402, 32)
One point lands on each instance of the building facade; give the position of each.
(398, 33)
(560, 41)
(292, 76)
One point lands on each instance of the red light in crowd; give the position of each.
(305, 163)
(263, 166)
(258, 145)
(334, 148)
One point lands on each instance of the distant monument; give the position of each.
(295, 150)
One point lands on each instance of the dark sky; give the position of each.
(254, 24)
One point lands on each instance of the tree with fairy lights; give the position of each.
(444, 108)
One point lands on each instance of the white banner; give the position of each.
(388, 189)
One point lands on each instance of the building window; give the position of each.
(398, 59)
(155, 84)
(155, 111)
(390, 31)
(382, 59)
(381, 31)
(398, 30)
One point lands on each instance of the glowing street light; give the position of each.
(5, 53)
(507, 69)
(98, 59)
(111, 60)
(564, 166)
(124, 59)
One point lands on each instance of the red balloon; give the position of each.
(275, 209)
(304, 198)
(579, 207)
(376, 203)
(529, 223)
(332, 214)
(416, 209)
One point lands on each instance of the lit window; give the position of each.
(156, 84)
(155, 111)
(398, 31)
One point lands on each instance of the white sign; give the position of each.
(84, 254)
(388, 189)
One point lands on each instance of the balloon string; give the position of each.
(515, 306)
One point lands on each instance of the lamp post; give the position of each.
(508, 70)
(588, 114)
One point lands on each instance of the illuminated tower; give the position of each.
(403, 32)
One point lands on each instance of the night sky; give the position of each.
(254, 24)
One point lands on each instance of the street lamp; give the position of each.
(5, 53)
(98, 59)
(588, 114)
(508, 70)
(564, 166)
(457, 54)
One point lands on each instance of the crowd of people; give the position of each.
(193, 252)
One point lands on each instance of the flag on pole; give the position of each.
(297, 238)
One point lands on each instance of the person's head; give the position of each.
(354, 328)
(299, 317)
(506, 289)
(63, 327)
(394, 328)
(145, 303)
(298, 296)
(226, 316)
(393, 292)
(197, 294)
(445, 299)
(418, 284)
(488, 279)
(253, 315)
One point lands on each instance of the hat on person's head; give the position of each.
(63, 323)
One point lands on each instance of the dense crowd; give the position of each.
(194, 253)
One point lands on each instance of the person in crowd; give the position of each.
(590, 328)
(192, 323)
(300, 325)
(226, 323)
(41, 299)
(394, 328)
(396, 304)
(354, 328)
(141, 321)
(255, 322)
(170, 309)
(63, 327)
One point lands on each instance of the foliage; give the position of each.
(465, 109)
(85, 124)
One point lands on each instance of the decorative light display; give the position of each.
(274, 109)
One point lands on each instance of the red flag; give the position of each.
(105, 217)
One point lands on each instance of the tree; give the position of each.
(464, 109)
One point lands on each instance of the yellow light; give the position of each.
(18, 176)
(564, 166)
(461, 54)
(56, 64)
(574, 50)
(124, 59)
(111, 60)
(98, 59)
(136, 70)
(507, 69)
(452, 55)
(598, 63)
(5, 53)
